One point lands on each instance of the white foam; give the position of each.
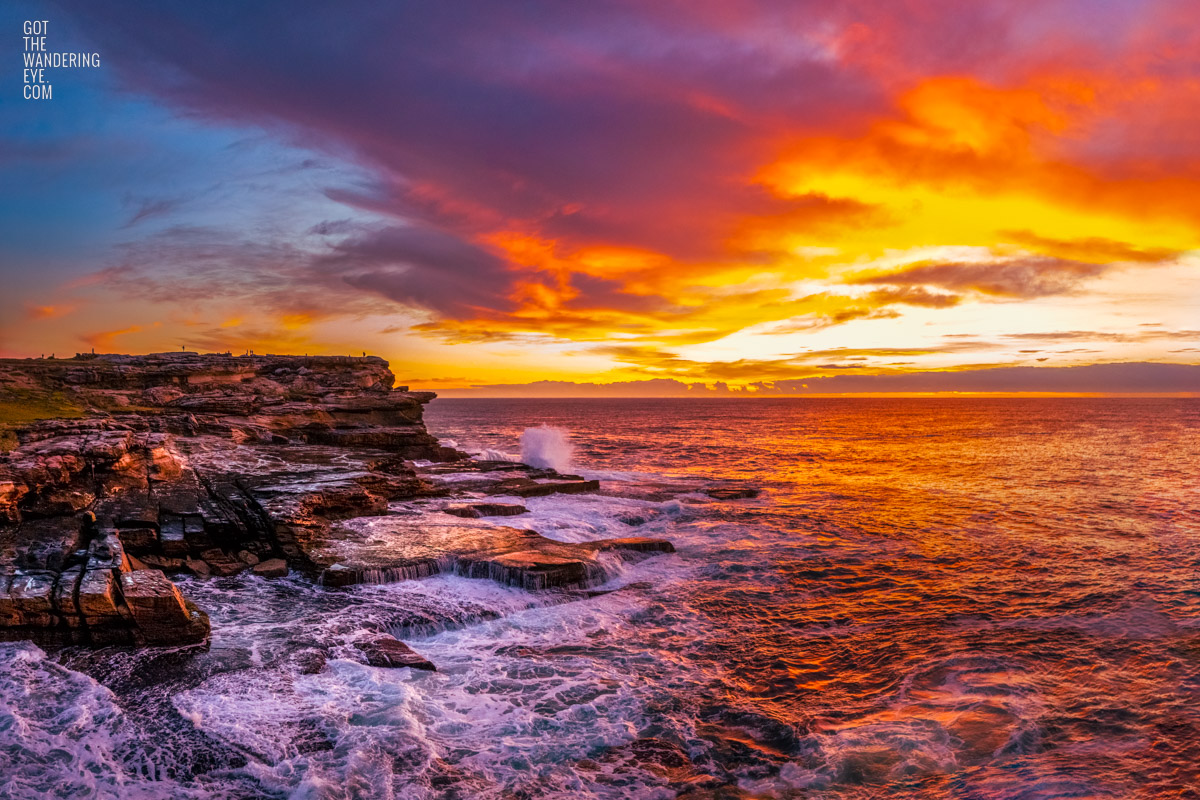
(498, 455)
(545, 447)
(62, 734)
(586, 517)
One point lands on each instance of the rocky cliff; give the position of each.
(216, 465)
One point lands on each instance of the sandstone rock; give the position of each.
(394, 548)
(159, 609)
(257, 456)
(271, 568)
(107, 552)
(218, 403)
(165, 463)
(97, 597)
(638, 544)
(223, 564)
(152, 561)
(477, 510)
(524, 487)
(198, 567)
(64, 500)
(160, 395)
(42, 544)
(9, 615)
(196, 533)
(171, 538)
(10, 496)
(65, 607)
(387, 651)
(32, 596)
(138, 540)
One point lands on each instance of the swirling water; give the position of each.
(944, 598)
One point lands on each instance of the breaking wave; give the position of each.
(547, 448)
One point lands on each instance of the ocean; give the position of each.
(929, 598)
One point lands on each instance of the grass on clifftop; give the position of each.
(22, 406)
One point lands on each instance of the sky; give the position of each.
(678, 198)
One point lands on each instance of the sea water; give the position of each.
(947, 598)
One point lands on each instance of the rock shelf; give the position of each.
(216, 465)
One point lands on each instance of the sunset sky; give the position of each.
(729, 193)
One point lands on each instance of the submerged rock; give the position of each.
(732, 492)
(387, 651)
(477, 510)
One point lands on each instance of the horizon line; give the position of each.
(740, 395)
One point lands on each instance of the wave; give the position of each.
(545, 447)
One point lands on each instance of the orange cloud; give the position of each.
(48, 311)
(103, 340)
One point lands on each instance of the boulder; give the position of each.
(387, 651)
(477, 510)
(309, 661)
(223, 564)
(271, 568)
(198, 567)
(159, 610)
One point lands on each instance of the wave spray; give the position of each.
(545, 447)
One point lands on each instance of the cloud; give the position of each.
(272, 276)
(816, 322)
(150, 208)
(914, 296)
(49, 311)
(1105, 336)
(533, 173)
(419, 267)
(1024, 277)
(1119, 378)
(657, 361)
(104, 341)
(1094, 249)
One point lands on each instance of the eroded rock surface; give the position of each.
(216, 465)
